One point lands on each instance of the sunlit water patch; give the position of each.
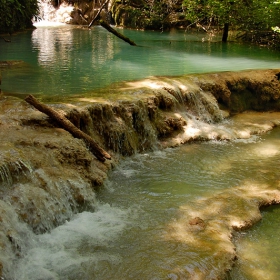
(70, 60)
(126, 238)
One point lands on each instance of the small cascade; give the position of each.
(204, 106)
(13, 166)
(56, 15)
(16, 238)
(199, 103)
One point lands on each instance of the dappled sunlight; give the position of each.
(157, 83)
(267, 150)
(243, 134)
(140, 84)
(154, 83)
(92, 100)
(258, 249)
(198, 130)
(207, 224)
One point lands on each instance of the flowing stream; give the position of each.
(128, 236)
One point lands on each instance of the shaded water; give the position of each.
(69, 60)
(129, 235)
(259, 248)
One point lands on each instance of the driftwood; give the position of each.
(100, 154)
(116, 33)
(6, 40)
(98, 13)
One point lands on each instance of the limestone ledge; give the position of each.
(47, 175)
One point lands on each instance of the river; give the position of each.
(129, 235)
(68, 60)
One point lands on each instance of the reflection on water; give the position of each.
(53, 47)
(126, 237)
(75, 60)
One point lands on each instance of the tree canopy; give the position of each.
(254, 20)
(16, 14)
(244, 15)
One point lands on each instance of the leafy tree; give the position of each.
(16, 14)
(243, 15)
(146, 14)
(209, 13)
(160, 11)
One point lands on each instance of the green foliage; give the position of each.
(16, 14)
(239, 14)
(276, 29)
(144, 14)
(253, 19)
(216, 12)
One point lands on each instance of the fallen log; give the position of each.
(116, 33)
(98, 13)
(6, 40)
(100, 154)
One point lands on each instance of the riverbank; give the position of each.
(47, 175)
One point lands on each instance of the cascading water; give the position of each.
(48, 188)
(48, 14)
(139, 227)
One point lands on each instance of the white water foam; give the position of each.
(71, 250)
(51, 16)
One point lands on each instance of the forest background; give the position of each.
(256, 21)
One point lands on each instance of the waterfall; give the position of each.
(48, 14)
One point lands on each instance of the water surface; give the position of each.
(69, 60)
(258, 249)
(128, 236)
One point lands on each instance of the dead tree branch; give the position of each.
(100, 154)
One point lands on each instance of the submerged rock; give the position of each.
(10, 63)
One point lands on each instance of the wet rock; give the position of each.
(1, 270)
(166, 101)
(198, 223)
(247, 90)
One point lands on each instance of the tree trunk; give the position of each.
(225, 32)
(100, 154)
(98, 13)
(116, 33)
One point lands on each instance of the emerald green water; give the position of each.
(69, 60)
